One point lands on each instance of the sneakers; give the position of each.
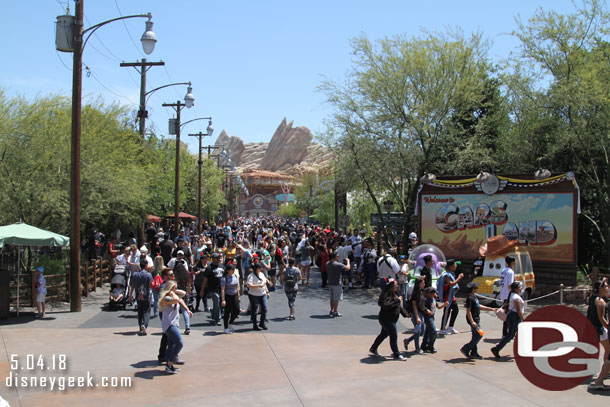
(272, 289)
(179, 361)
(466, 355)
(406, 343)
(495, 352)
(431, 350)
(337, 314)
(142, 331)
(187, 331)
(171, 370)
(444, 332)
(373, 352)
(398, 356)
(452, 330)
(331, 314)
(419, 352)
(228, 331)
(291, 317)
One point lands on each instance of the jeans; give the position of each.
(471, 347)
(403, 290)
(155, 302)
(187, 319)
(254, 303)
(143, 313)
(369, 275)
(231, 309)
(512, 320)
(418, 329)
(215, 305)
(388, 328)
(429, 334)
(174, 343)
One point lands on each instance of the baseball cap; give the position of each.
(451, 262)
(40, 268)
(180, 252)
(412, 235)
(472, 285)
(216, 256)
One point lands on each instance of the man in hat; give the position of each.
(447, 286)
(473, 311)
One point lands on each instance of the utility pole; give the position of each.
(144, 67)
(199, 135)
(178, 107)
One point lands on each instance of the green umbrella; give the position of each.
(21, 234)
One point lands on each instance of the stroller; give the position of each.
(119, 285)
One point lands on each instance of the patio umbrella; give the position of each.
(22, 234)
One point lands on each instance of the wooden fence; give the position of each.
(93, 274)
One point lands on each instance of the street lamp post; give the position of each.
(200, 135)
(174, 128)
(69, 38)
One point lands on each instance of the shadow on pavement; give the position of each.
(459, 361)
(372, 360)
(488, 340)
(129, 333)
(149, 374)
(128, 316)
(323, 316)
(145, 363)
(375, 316)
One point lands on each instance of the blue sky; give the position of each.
(252, 63)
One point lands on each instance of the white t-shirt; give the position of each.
(254, 279)
(358, 248)
(514, 299)
(507, 277)
(385, 270)
(343, 253)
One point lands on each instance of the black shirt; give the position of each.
(427, 275)
(390, 307)
(214, 273)
(167, 247)
(472, 302)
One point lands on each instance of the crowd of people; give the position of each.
(176, 274)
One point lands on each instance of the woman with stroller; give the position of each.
(170, 304)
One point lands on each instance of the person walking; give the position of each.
(335, 271)
(290, 280)
(430, 306)
(211, 280)
(258, 295)
(507, 277)
(514, 317)
(41, 292)
(473, 318)
(417, 315)
(391, 308)
(447, 287)
(141, 284)
(229, 295)
(596, 313)
(169, 304)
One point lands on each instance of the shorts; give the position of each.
(272, 272)
(306, 263)
(40, 297)
(336, 292)
(604, 335)
(292, 296)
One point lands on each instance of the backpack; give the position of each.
(157, 281)
(290, 282)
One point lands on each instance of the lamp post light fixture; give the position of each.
(200, 135)
(69, 37)
(174, 128)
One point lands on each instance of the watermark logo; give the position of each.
(557, 348)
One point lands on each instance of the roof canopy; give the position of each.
(21, 234)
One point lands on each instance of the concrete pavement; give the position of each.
(312, 361)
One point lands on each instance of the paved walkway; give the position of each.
(312, 361)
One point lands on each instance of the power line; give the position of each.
(62, 61)
(90, 73)
(126, 29)
(113, 56)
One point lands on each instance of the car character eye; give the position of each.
(498, 266)
(491, 265)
